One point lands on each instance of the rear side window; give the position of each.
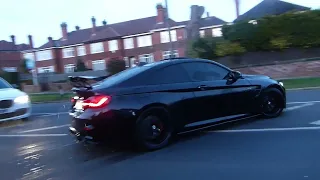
(199, 71)
(168, 75)
(122, 76)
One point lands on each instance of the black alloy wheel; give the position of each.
(272, 103)
(153, 129)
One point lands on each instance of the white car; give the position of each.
(14, 104)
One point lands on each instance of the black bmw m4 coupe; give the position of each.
(152, 102)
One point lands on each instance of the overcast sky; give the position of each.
(43, 18)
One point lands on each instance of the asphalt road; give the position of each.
(283, 148)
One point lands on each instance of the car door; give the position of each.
(216, 97)
(173, 87)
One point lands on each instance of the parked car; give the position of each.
(14, 104)
(152, 102)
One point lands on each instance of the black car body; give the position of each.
(150, 103)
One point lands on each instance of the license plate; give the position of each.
(2, 111)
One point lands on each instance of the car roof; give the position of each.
(172, 61)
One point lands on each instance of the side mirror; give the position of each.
(237, 74)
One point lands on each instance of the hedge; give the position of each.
(277, 32)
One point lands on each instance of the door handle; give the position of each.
(202, 87)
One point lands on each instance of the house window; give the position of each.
(47, 69)
(217, 32)
(44, 55)
(9, 69)
(29, 56)
(128, 43)
(96, 48)
(81, 50)
(165, 36)
(98, 65)
(144, 41)
(166, 54)
(148, 58)
(126, 59)
(113, 45)
(202, 33)
(69, 68)
(68, 52)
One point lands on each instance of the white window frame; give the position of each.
(148, 58)
(81, 51)
(144, 41)
(202, 33)
(68, 52)
(166, 54)
(164, 36)
(217, 32)
(128, 43)
(113, 45)
(96, 48)
(69, 66)
(45, 69)
(99, 64)
(29, 56)
(10, 69)
(44, 55)
(126, 59)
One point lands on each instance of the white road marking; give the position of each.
(49, 114)
(46, 128)
(305, 88)
(266, 130)
(298, 106)
(32, 135)
(316, 123)
(302, 102)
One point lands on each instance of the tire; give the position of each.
(272, 103)
(153, 129)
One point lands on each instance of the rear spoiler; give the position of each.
(83, 81)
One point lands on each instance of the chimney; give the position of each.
(51, 41)
(208, 15)
(30, 41)
(104, 22)
(77, 28)
(237, 8)
(64, 31)
(93, 25)
(160, 13)
(13, 39)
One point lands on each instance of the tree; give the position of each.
(115, 66)
(203, 48)
(80, 66)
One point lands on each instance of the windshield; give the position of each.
(4, 84)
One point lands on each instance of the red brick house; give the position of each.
(134, 41)
(10, 56)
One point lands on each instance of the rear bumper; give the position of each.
(104, 127)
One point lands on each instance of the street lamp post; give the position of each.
(169, 28)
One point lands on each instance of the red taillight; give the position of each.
(97, 101)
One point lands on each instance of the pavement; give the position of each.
(282, 148)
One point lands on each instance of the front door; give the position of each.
(215, 97)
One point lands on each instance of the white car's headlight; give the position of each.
(22, 99)
(281, 83)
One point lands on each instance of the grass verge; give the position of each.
(301, 82)
(38, 98)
